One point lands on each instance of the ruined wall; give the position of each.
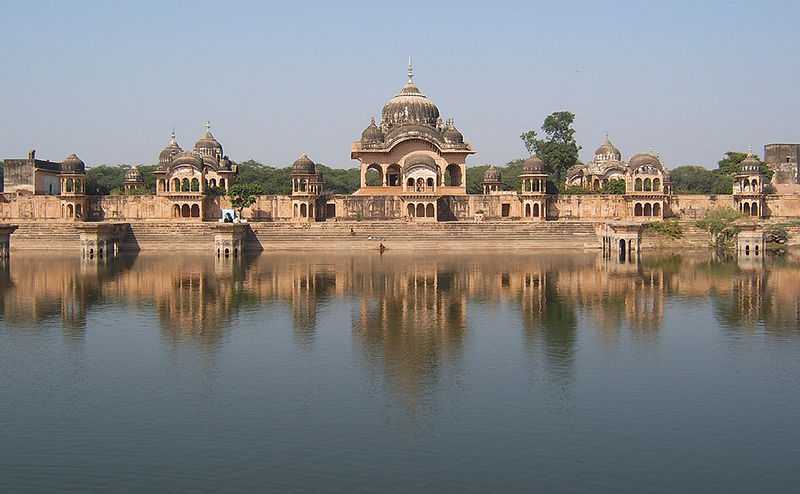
(18, 175)
(368, 207)
(573, 207)
(29, 207)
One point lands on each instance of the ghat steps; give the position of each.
(166, 236)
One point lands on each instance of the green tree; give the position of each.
(244, 195)
(558, 148)
(103, 179)
(615, 186)
(731, 164)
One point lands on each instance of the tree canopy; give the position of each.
(558, 149)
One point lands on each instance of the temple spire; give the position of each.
(410, 70)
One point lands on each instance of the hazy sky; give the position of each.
(688, 80)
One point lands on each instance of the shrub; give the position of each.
(671, 229)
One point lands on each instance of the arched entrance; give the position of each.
(411, 210)
(185, 211)
(452, 176)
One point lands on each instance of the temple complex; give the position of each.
(413, 168)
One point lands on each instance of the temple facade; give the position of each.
(413, 167)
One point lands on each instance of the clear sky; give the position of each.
(109, 81)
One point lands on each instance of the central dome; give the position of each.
(409, 106)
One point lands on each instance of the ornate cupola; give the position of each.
(452, 135)
(307, 188)
(208, 145)
(607, 152)
(134, 182)
(492, 180)
(749, 187)
(533, 184)
(73, 188)
(169, 152)
(409, 106)
(372, 135)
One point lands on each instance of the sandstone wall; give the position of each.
(24, 207)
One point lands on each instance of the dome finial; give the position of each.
(208, 126)
(410, 70)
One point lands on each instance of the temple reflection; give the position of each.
(410, 315)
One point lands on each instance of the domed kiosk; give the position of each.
(412, 154)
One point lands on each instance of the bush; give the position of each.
(719, 223)
(615, 187)
(671, 229)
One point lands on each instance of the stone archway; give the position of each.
(452, 176)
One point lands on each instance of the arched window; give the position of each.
(527, 210)
(430, 182)
(420, 210)
(429, 212)
(637, 210)
(410, 182)
(755, 184)
(176, 185)
(69, 185)
(185, 187)
(746, 185)
(746, 209)
(213, 183)
(176, 211)
(535, 186)
(648, 185)
(452, 175)
(411, 209)
(656, 184)
(393, 175)
(373, 176)
(294, 213)
(420, 186)
(185, 211)
(70, 211)
(222, 183)
(78, 185)
(195, 211)
(536, 210)
(303, 210)
(638, 185)
(754, 209)
(657, 209)
(648, 209)
(195, 185)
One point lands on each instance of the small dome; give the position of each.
(304, 165)
(225, 163)
(134, 175)
(492, 174)
(409, 106)
(73, 164)
(645, 159)
(533, 165)
(189, 158)
(166, 154)
(372, 134)
(751, 164)
(208, 144)
(607, 152)
(452, 135)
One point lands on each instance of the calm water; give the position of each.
(436, 373)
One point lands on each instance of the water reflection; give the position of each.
(411, 314)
